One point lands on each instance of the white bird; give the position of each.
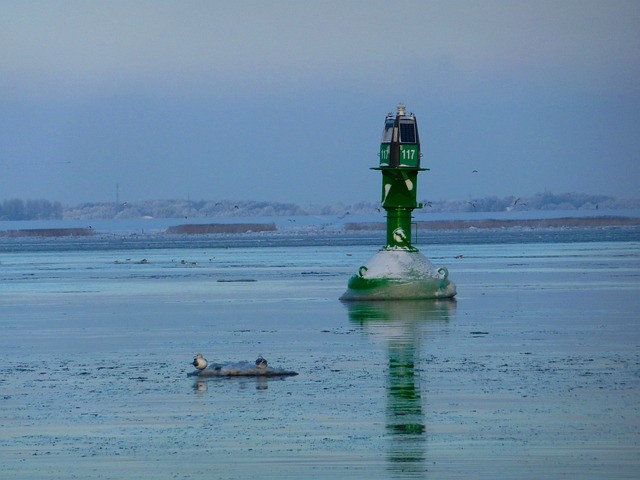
(200, 362)
(261, 362)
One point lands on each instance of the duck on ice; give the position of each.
(399, 270)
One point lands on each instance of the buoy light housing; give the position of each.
(400, 145)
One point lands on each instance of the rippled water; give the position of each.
(532, 372)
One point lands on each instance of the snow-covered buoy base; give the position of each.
(399, 274)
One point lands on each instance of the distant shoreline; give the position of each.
(604, 221)
(269, 227)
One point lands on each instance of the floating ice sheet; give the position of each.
(240, 369)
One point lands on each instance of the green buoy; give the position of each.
(399, 271)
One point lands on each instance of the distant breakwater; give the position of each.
(203, 229)
(248, 230)
(48, 232)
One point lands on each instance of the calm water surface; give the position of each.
(532, 372)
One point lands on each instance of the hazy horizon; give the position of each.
(284, 101)
(581, 196)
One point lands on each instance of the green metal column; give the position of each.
(399, 200)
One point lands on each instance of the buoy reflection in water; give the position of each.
(401, 325)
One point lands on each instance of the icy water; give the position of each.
(532, 372)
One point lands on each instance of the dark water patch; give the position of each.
(236, 280)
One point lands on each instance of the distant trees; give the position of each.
(17, 209)
(540, 201)
(182, 209)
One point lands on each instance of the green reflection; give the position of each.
(404, 325)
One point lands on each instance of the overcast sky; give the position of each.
(285, 100)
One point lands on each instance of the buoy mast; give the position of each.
(400, 163)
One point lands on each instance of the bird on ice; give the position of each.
(200, 362)
(259, 368)
(261, 362)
